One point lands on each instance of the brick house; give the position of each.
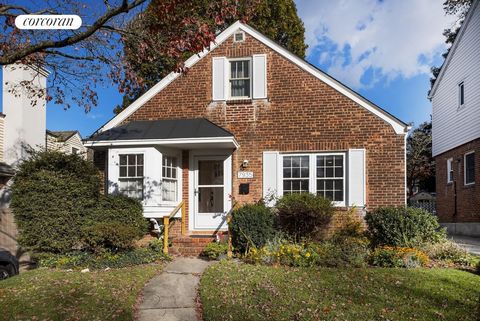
(455, 100)
(249, 120)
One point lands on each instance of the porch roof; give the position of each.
(181, 132)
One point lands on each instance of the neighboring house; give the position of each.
(69, 142)
(22, 127)
(456, 130)
(250, 120)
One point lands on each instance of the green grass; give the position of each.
(46, 294)
(245, 292)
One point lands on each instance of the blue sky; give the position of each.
(383, 49)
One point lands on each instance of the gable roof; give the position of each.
(452, 50)
(63, 135)
(163, 129)
(398, 126)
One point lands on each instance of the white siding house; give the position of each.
(454, 123)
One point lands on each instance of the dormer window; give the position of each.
(461, 94)
(239, 36)
(240, 79)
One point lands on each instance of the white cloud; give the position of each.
(386, 38)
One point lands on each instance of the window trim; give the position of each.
(312, 178)
(75, 150)
(461, 88)
(449, 170)
(229, 80)
(132, 178)
(465, 168)
(235, 36)
(177, 179)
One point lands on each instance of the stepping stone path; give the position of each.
(171, 295)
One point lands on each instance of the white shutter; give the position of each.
(112, 172)
(219, 78)
(259, 76)
(356, 177)
(270, 175)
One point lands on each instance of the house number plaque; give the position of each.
(245, 174)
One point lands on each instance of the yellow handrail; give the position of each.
(166, 224)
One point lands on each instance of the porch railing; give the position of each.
(167, 223)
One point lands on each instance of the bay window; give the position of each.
(169, 179)
(131, 175)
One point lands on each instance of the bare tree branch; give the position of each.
(19, 54)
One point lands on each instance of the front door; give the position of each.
(211, 199)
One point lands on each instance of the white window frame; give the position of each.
(465, 168)
(229, 72)
(449, 170)
(177, 179)
(313, 173)
(460, 87)
(235, 36)
(131, 178)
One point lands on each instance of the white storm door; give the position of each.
(211, 200)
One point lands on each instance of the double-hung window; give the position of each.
(331, 177)
(469, 164)
(240, 79)
(322, 174)
(131, 175)
(169, 178)
(450, 170)
(296, 175)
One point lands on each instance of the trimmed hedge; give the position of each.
(252, 225)
(58, 208)
(304, 216)
(403, 227)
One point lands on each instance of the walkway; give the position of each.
(171, 295)
(471, 244)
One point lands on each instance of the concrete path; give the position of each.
(471, 244)
(171, 295)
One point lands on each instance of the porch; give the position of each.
(172, 166)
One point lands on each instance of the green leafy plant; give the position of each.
(100, 261)
(114, 236)
(252, 225)
(448, 252)
(214, 250)
(403, 226)
(387, 256)
(58, 207)
(303, 215)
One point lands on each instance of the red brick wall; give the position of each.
(302, 114)
(468, 196)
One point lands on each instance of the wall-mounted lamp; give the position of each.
(245, 163)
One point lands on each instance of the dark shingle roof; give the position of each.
(6, 170)
(63, 135)
(163, 129)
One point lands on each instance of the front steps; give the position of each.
(191, 245)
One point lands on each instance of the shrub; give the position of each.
(403, 226)
(303, 216)
(114, 236)
(123, 210)
(351, 252)
(51, 196)
(214, 250)
(100, 261)
(478, 267)
(58, 207)
(251, 225)
(449, 252)
(387, 256)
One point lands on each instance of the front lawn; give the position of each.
(232, 291)
(47, 294)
